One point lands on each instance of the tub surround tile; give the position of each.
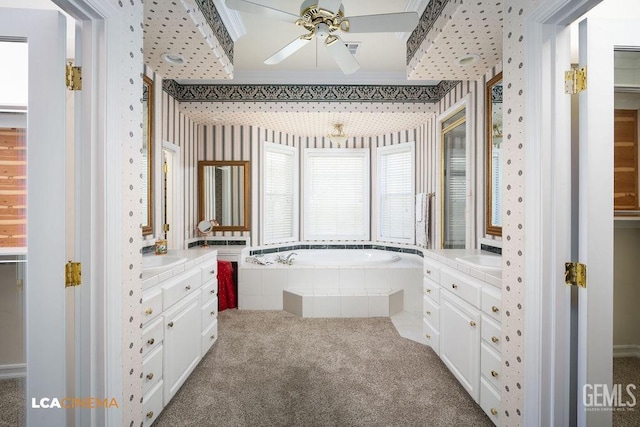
(272, 302)
(328, 278)
(354, 306)
(274, 281)
(327, 306)
(292, 303)
(249, 302)
(378, 306)
(351, 278)
(377, 279)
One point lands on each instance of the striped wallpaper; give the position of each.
(232, 142)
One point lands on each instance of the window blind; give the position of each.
(396, 209)
(455, 185)
(337, 194)
(280, 194)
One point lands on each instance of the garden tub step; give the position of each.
(343, 303)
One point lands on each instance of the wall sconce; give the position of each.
(338, 137)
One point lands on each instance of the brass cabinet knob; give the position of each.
(472, 323)
(151, 341)
(213, 313)
(170, 324)
(150, 414)
(428, 313)
(188, 288)
(428, 291)
(428, 336)
(494, 374)
(212, 291)
(494, 411)
(148, 311)
(494, 339)
(150, 376)
(495, 309)
(454, 286)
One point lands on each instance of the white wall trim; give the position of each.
(16, 370)
(632, 350)
(178, 214)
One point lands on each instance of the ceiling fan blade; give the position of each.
(258, 9)
(288, 50)
(340, 53)
(330, 5)
(384, 23)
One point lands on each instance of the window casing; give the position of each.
(280, 193)
(396, 189)
(336, 194)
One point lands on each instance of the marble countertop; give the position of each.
(192, 257)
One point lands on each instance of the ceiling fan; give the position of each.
(322, 18)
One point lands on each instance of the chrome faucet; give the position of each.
(288, 259)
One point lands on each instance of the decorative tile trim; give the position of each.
(217, 243)
(212, 16)
(307, 93)
(496, 94)
(492, 249)
(333, 246)
(428, 18)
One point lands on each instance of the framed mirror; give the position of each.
(147, 155)
(224, 194)
(494, 156)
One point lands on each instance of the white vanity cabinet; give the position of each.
(461, 322)
(173, 304)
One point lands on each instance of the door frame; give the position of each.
(98, 206)
(548, 137)
(176, 241)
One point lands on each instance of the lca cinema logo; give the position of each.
(602, 397)
(73, 402)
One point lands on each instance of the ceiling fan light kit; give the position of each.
(324, 17)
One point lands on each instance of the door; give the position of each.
(43, 282)
(598, 40)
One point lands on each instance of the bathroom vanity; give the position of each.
(462, 320)
(179, 311)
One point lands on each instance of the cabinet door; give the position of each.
(460, 341)
(625, 160)
(181, 343)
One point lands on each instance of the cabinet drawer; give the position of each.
(461, 286)
(431, 336)
(431, 289)
(431, 269)
(209, 290)
(152, 405)
(151, 305)
(152, 369)
(209, 312)
(431, 312)
(209, 271)
(492, 303)
(179, 287)
(152, 336)
(490, 401)
(490, 366)
(209, 337)
(491, 333)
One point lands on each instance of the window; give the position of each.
(454, 179)
(396, 183)
(336, 194)
(280, 180)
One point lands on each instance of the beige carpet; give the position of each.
(276, 369)
(626, 370)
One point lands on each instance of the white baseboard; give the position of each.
(18, 370)
(626, 350)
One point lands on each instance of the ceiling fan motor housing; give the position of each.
(321, 22)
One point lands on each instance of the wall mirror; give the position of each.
(224, 194)
(494, 167)
(147, 155)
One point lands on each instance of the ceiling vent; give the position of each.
(352, 46)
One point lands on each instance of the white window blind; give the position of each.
(396, 203)
(280, 197)
(336, 194)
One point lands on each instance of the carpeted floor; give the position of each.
(277, 369)
(626, 370)
(12, 402)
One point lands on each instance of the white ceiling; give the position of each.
(382, 58)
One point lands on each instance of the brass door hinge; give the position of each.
(575, 274)
(165, 167)
(73, 274)
(575, 81)
(74, 77)
(165, 227)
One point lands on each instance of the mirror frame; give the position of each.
(490, 229)
(247, 193)
(147, 228)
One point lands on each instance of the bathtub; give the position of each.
(333, 283)
(339, 257)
